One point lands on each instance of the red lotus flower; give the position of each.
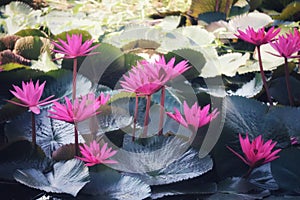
(256, 153)
(147, 78)
(30, 96)
(258, 37)
(194, 117)
(93, 155)
(287, 45)
(74, 48)
(80, 110)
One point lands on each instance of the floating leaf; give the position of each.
(240, 188)
(226, 64)
(269, 61)
(67, 177)
(8, 42)
(44, 63)
(195, 58)
(285, 169)
(290, 12)
(31, 47)
(133, 33)
(111, 118)
(155, 154)
(10, 111)
(140, 45)
(7, 56)
(249, 89)
(65, 152)
(239, 8)
(20, 155)
(108, 66)
(257, 118)
(200, 6)
(188, 166)
(31, 32)
(262, 177)
(210, 17)
(278, 90)
(224, 29)
(50, 134)
(63, 36)
(59, 82)
(108, 184)
(184, 188)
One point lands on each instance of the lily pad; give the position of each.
(20, 155)
(67, 177)
(108, 184)
(151, 154)
(51, 134)
(186, 167)
(285, 169)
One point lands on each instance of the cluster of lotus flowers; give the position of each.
(287, 46)
(145, 79)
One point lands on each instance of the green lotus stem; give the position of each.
(287, 80)
(146, 119)
(135, 116)
(33, 130)
(162, 108)
(76, 140)
(263, 76)
(74, 79)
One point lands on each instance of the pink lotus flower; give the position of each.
(256, 153)
(259, 37)
(74, 48)
(147, 78)
(93, 155)
(287, 45)
(80, 110)
(30, 95)
(194, 117)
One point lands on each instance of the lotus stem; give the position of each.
(74, 79)
(217, 6)
(33, 127)
(263, 76)
(76, 140)
(162, 109)
(146, 119)
(227, 7)
(287, 80)
(135, 116)
(248, 173)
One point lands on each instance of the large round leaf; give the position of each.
(67, 177)
(285, 169)
(108, 184)
(20, 155)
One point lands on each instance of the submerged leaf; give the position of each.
(67, 177)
